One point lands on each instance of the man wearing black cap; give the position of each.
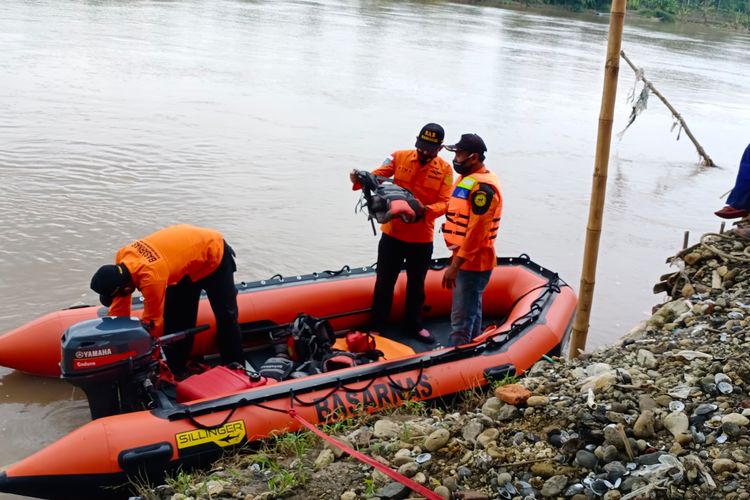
(170, 267)
(429, 178)
(472, 221)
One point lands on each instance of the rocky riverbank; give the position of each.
(662, 414)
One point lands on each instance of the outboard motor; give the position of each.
(114, 360)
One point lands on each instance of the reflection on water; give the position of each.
(118, 118)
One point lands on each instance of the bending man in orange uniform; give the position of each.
(472, 221)
(170, 267)
(429, 178)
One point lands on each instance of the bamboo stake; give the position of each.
(707, 161)
(599, 182)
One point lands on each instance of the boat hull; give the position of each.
(106, 452)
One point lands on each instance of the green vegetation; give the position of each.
(732, 13)
(370, 487)
(507, 379)
(283, 480)
(181, 483)
(294, 443)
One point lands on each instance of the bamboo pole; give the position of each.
(707, 161)
(599, 182)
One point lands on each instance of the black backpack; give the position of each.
(306, 338)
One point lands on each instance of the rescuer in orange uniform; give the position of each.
(472, 221)
(429, 178)
(170, 268)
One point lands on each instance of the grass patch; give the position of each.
(506, 380)
(370, 487)
(182, 482)
(283, 480)
(293, 443)
(412, 407)
(338, 423)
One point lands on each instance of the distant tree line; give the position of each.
(734, 12)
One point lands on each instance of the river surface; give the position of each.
(118, 118)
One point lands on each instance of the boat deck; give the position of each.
(438, 326)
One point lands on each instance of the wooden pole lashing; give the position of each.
(705, 159)
(599, 182)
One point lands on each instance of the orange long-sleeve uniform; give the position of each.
(430, 184)
(473, 219)
(162, 259)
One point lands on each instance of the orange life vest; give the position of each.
(162, 259)
(459, 215)
(430, 184)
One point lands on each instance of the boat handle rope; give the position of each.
(414, 386)
(193, 421)
(344, 269)
(396, 476)
(521, 322)
(435, 265)
(315, 401)
(360, 389)
(340, 385)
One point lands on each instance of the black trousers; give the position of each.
(391, 255)
(181, 313)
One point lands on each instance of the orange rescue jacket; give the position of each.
(162, 259)
(473, 218)
(430, 184)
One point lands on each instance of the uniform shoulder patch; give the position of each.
(481, 199)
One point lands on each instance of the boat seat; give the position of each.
(391, 349)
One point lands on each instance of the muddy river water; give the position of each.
(118, 118)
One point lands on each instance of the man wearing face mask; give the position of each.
(472, 221)
(429, 178)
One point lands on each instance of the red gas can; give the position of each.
(359, 342)
(217, 381)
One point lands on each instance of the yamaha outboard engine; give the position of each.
(114, 361)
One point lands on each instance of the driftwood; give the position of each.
(706, 160)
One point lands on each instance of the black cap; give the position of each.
(430, 138)
(108, 280)
(471, 143)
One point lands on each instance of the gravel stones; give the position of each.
(644, 425)
(437, 440)
(676, 422)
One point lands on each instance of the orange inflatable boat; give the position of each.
(527, 308)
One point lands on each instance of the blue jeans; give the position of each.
(466, 312)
